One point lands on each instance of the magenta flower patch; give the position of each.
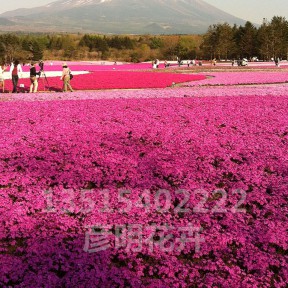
(110, 80)
(144, 192)
(242, 78)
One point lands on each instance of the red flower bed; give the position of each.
(112, 80)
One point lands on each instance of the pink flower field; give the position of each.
(142, 76)
(111, 80)
(242, 78)
(167, 187)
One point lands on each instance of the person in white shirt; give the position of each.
(66, 78)
(16, 72)
(2, 80)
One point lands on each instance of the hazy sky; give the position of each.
(251, 10)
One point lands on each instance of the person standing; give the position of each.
(277, 62)
(2, 80)
(33, 78)
(66, 78)
(15, 71)
(157, 62)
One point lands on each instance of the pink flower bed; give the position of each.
(137, 76)
(176, 92)
(92, 66)
(236, 78)
(52, 151)
(111, 80)
(130, 80)
(79, 66)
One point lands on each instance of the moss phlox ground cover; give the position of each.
(147, 165)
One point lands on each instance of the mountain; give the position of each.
(5, 22)
(119, 17)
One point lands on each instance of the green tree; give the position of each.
(155, 43)
(246, 40)
(209, 43)
(55, 42)
(264, 38)
(37, 51)
(10, 48)
(225, 41)
(94, 43)
(279, 37)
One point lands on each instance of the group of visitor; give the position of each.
(156, 63)
(16, 72)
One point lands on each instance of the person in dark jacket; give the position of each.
(33, 78)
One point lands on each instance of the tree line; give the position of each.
(268, 41)
(221, 41)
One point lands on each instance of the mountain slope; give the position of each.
(121, 16)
